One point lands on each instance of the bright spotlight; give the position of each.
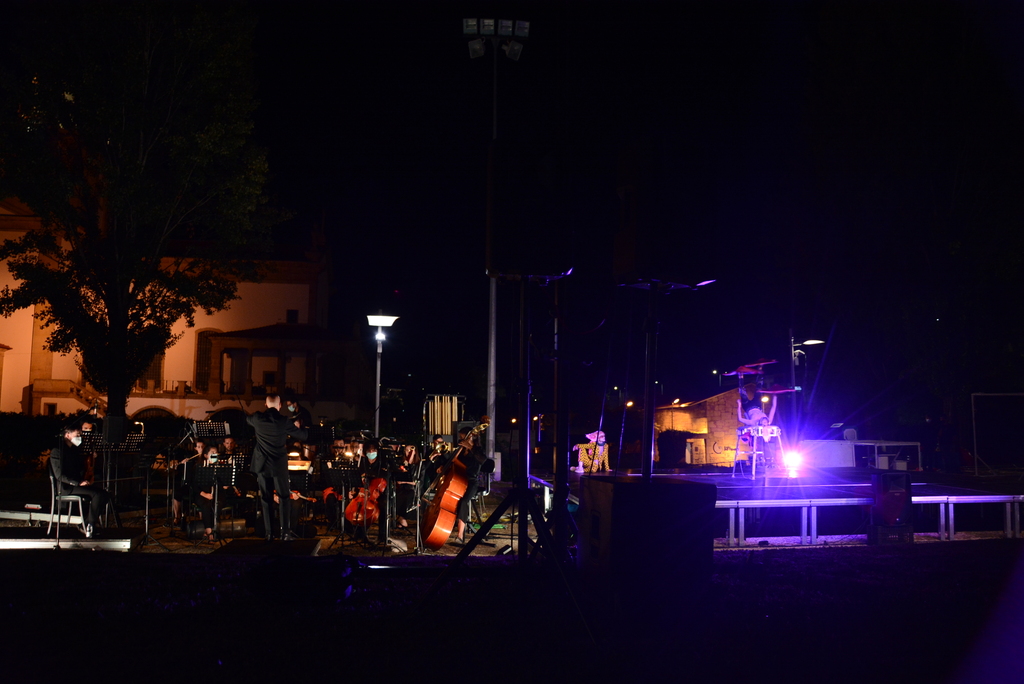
(792, 459)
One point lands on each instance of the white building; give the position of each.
(273, 338)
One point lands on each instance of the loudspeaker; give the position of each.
(892, 498)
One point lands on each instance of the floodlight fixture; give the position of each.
(487, 27)
(469, 27)
(522, 29)
(504, 27)
(476, 48)
(513, 50)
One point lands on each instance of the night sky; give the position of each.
(848, 170)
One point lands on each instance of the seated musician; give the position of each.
(228, 449)
(181, 467)
(372, 467)
(68, 465)
(593, 454)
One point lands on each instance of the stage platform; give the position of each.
(70, 538)
(827, 487)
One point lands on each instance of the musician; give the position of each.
(181, 467)
(270, 460)
(228, 449)
(593, 454)
(68, 465)
(405, 484)
(472, 456)
(437, 458)
(299, 413)
(371, 467)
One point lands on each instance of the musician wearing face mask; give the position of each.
(295, 412)
(69, 465)
(371, 467)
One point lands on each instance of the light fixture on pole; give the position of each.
(380, 322)
(794, 360)
(794, 357)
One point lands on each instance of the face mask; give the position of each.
(292, 408)
(77, 440)
(372, 455)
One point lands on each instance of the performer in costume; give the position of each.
(593, 454)
(270, 461)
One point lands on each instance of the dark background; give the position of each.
(847, 170)
(850, 171)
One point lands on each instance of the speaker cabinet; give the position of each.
(892, 498)
(648, 546)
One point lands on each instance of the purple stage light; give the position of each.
(792, 460)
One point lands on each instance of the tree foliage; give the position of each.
(125, 127)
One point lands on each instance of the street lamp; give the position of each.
(794, 361)
(381, 322)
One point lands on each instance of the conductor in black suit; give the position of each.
(270, 461)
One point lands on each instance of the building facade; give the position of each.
(274, 338)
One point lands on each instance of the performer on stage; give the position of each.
(593, 454)
(270, 460)
(68, 465)
(754, 415)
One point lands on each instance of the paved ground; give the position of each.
(927, 612)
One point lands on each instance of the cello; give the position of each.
(363, 511)
(449, 487)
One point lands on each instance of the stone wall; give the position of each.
(712, 423)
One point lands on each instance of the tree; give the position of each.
(125, 127)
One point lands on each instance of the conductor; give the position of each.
(270, 461)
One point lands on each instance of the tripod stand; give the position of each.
(521, 495)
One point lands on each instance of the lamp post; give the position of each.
(381, 322)
(794, 361)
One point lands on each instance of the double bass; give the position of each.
(449, 487)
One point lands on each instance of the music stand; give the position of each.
(342, 475)
(202, 429)
(132, 444)
(146, 463)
